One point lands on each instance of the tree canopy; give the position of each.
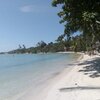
(80, 15)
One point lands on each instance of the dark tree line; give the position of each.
(76, 43)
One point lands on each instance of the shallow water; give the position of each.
(20, 72)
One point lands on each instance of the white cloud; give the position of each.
(35, 8)
(27, 8)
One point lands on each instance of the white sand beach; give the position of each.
(80, 83)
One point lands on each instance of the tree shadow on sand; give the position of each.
(92, 68)
(69, 89)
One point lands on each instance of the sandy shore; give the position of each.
(80, 83)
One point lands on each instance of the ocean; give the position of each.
(21, 72)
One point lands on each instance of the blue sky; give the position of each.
(27, 22)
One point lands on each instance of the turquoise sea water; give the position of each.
(20, 72)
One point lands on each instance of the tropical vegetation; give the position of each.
(83, 16)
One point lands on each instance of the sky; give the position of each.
(27, 22)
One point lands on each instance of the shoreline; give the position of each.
(76, 85)
(57, 78)
(72, 83)
(41, 95)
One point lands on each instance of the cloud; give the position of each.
(26, 9)
(35, 9)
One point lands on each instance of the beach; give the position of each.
(82, 82)
(28, 76)
(56, 79)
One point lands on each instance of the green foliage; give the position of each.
(77, 43)
(80, 15)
